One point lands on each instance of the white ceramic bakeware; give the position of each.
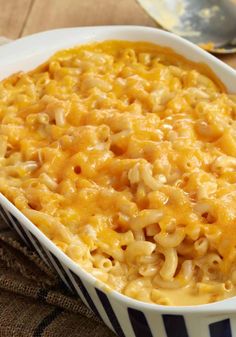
(125, 316)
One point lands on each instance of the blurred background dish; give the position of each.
(208, 23)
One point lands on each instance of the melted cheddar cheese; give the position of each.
(124, 155)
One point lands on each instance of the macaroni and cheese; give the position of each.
(124, 155)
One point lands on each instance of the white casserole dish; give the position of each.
(125, 316)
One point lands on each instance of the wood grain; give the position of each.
(13, 14)
(71, 13)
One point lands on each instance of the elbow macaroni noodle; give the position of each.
(124, 155)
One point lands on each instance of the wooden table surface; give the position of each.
(23, 17)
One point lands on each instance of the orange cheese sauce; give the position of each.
(124, 155)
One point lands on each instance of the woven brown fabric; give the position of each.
(33, 301)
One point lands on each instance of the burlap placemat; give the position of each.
(34, 302)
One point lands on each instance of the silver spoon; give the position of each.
(208, 23)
